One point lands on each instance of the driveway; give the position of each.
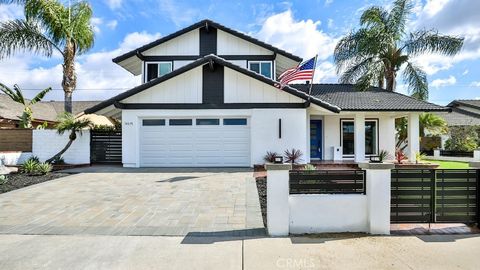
(117, 201)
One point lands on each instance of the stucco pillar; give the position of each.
(413, 136)
(359, 137)
(278, 210)
(378, 183)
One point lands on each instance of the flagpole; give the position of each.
(313, 75)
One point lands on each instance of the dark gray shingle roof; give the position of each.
(349, 98)
(459, 117)
(473, 103)
(45, 110)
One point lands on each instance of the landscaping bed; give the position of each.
(20, 180)
(262, 195)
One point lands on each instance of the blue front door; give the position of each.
(316, 139)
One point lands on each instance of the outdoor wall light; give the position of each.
(278, 160)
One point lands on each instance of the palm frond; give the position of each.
(24, 36)
(433, 124)
(40, 96)
(52, 16)
(374, 16)
(397, 19)
(356, 70)
(371, 76)
(19, 94)
(68, 122)
(429, 41)
(9, 92)
(82, 30)
(417, 82)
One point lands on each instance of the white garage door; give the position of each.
(195, 142)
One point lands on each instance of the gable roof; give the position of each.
(44, 110)
(200, 24)
(348, 98)
(472, 103)
(211, 58)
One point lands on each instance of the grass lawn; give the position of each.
(450, 164)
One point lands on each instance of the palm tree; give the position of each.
(374, 54)
(17, 96)
(50, 27)
(68, 123)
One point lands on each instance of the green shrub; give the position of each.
(30, 166)
(43, 168)
(462, 138)
(3, 179)
(34, 159)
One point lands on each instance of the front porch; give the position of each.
(345, 139)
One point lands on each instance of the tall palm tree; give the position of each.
(17, 96)
(374, 54)
(68, 123)
(50, 26)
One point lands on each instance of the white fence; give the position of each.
(319, 213)
(46, 143)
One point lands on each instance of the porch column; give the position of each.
(413, 136)
(359, 137)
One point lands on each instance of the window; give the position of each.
(153, 122)
(261, 67)
(235, 122)
(348, 137)
(157, 69)
(180, 122)
(208, 122)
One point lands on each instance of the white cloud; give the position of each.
(330, 23)
(475, 84)
(177, 13)
(300, 37)
(451, 80)
(114, 4)
(94, 70)
(9, 12)
(112, 24)
(452, 17)
(328, 2)
(465, 72)
(96, 23)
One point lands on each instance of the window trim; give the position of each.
(145, 69)
(376, 120)
(260, 67)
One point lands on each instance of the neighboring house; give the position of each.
(208, 98)
(464, 113)
(44, 111)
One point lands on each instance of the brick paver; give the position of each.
(137, 203)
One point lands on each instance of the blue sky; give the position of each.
(301, 27)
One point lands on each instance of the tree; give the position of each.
(462, 138)
(68, 123)
(374, 54)
(50, 27)
(429, 123)
(17, 96)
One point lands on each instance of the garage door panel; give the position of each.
(196, 146)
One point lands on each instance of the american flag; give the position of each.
(304, 71)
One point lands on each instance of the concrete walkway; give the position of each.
(134, 252)
(117, 201)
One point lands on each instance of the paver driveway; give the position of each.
(137, 202)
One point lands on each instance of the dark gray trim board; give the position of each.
(198, 106)
(208, 41)
(212, 84)
(204, 24)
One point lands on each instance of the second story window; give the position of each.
(157, 69)
(261, 67)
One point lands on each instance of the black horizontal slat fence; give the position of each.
(106, 147)
(327, 182)
(437, 195)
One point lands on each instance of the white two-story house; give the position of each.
(208, 99)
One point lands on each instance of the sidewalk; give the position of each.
(149, 252)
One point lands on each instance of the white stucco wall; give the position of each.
(46, 143)
(263, 130)
(328, 213)
(14, 158)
